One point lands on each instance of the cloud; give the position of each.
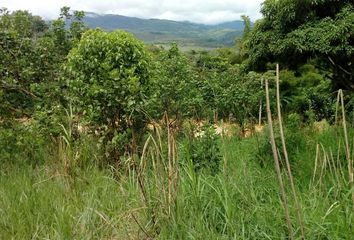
(200, 11)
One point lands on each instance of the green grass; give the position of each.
(43, 204)
(241, 202)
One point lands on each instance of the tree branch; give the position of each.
(339, 66)
(17, 88)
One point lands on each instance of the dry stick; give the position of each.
(339, 161)
(297, 205)
(328, 160)
(276, 163)
(170, 161)
(260, 107)
(335, 169)
(160, 167)
(175, 168)
(316, 162)
(140, 176)
(350, 163)
(260, 113)
(337, 107)
(323, 171)
(141, 227)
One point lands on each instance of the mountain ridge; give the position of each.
(161, 31)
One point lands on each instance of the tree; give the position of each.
(242, 42)
(31, 55)
(226, 91)
(211, 72)
(293, 31)
(108, 79)
(307, 92)
(173, 85)
(19, 67)
(67, 29)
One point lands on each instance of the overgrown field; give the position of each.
(105, 137)
(67, 194)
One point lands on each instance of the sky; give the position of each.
(198, 11)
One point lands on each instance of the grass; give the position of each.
(242, 201)
(43, 204)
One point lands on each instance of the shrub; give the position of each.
(203, 149)
(295, 140)
(108, 78)
(19, 144)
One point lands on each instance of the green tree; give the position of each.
(108, 81)
(19, 67)
(51, 52)
(67, 29)
(210, 71)
(293, 31)
(31, 58)
(174, 87)
(307, 91)
(242, 42)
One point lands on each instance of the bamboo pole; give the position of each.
(276, 163)
(288, 167)
(347, 152)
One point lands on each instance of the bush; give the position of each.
(295, 140)
(203, 149)
(20, 145)
(108, 79)
(306, 92)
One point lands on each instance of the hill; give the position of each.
(158, 31)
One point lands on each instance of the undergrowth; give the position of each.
(155, 200)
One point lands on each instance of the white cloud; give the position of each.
(201, 11)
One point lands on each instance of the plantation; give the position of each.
(105, 137)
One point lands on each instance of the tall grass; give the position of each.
(43, 204)
(164, 197)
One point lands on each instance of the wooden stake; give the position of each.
(288, 167)
(276, 163)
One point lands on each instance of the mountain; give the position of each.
(162, 32)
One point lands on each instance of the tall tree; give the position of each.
(19, 31)
(242, 42)
(294, 31)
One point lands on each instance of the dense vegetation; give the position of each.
(102, 136)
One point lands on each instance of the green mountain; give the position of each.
(162, 32)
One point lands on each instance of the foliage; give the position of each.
(227, 92)
(32, 53)
(295, 141)
(203, 149)
(241, 202)
(20, 145)
(19, 61)
(67, 94)
(108, 78)
(173, 84)
(67, 30)
(203, 86)
(242, 43)
(292, 32)
(307, 90)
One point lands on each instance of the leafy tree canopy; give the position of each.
(31, 54)
(173, 84)
(108, 79)
(294, 31)
(19, 60)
